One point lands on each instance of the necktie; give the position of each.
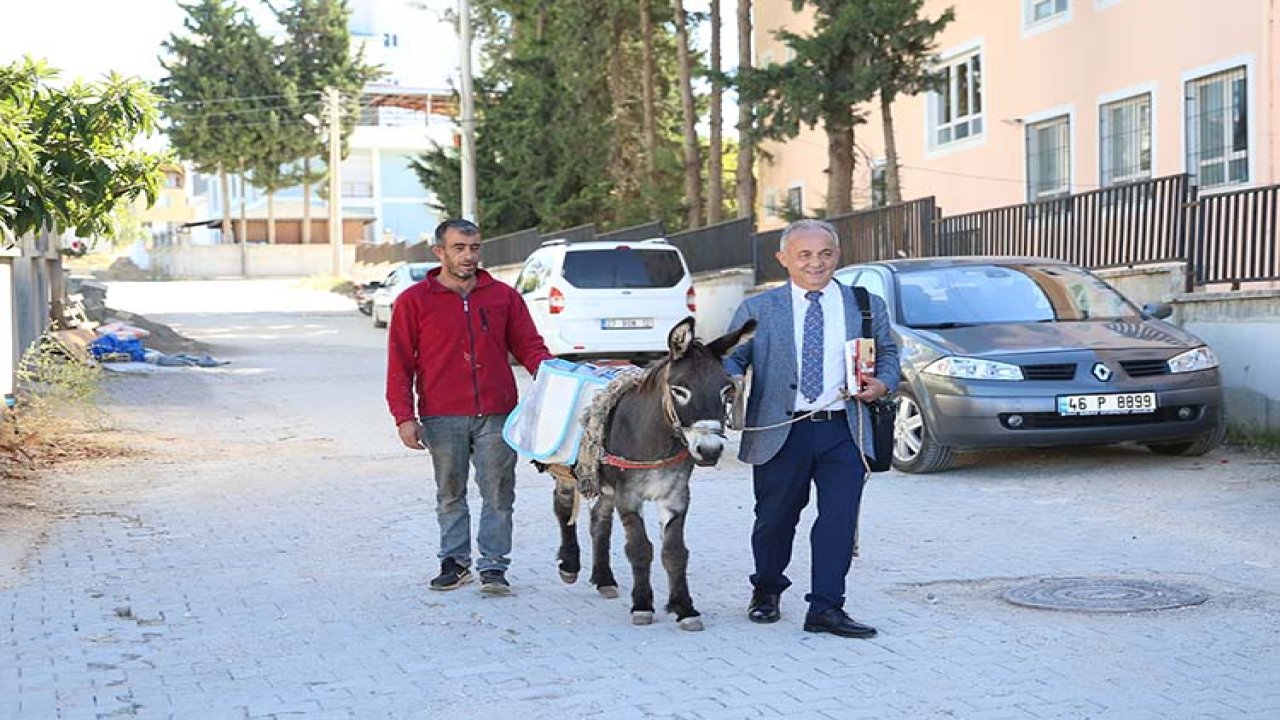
(811, 351)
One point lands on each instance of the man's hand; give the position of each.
(410, 432)
(872, 390)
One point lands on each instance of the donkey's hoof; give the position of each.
(609, 591)
(692, 624)
(569, 578)
(641, 617)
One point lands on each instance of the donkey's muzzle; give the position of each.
(705, 441)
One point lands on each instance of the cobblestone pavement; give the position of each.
(267, 556)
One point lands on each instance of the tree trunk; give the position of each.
(650, 110)
(306, 201)
(692, 156)
(271, 217)
(892, 181)
(715, 166)
(244, 220)
(746, 178)
(839, 167)
(224, 187)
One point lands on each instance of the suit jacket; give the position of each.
(771, 355)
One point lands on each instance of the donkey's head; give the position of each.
(699, 389)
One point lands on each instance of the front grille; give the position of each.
(1056, 371)
(1054, 421)
(1145, 368)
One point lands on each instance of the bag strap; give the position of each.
(864, 304)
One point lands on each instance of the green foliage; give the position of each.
(901, 44)
(317, 56)
(559, 138)
(66, 155)
(48, 377)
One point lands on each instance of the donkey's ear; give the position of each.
(680, 338)
(726, 344)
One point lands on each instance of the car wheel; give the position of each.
(914, 449)
(378, 322)
(1195, 446)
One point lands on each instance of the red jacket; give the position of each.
(452, 351)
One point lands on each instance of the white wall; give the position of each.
(210, 261)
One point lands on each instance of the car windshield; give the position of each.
(960, 295)
(622, 268)
(418, 271)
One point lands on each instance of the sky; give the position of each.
(86, 38)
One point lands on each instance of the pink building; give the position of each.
(1049, 97)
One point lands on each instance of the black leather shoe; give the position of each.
(764, 607)
(836, 622)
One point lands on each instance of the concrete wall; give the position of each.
(1160, 282)
(210, 261)
(1243, 328)
(30, 293)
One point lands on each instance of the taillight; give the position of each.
(555, 301)
(691, 300)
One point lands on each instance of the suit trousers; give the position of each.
(824, 454)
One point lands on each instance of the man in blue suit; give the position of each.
(797, 360)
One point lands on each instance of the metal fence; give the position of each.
(716, 247)
(31, 295)
(1137, 222)
(1226, 237)
(1235, 236)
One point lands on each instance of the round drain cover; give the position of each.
(1103, 595)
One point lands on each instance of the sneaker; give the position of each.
(494, 582)
(452, 576)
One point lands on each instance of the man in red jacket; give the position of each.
(448, 345)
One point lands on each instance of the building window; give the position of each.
(1218, 129)
(172, 180)
(795, 202)
(1049, 158)
(1036, 12)
(390, 40)
(879, 184)
(1125, 132)
(957, 103)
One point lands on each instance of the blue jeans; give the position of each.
(457, 442)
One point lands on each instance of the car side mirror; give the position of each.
(1158, 310)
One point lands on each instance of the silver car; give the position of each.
(383, 301)
(1028, 352)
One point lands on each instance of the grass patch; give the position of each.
(57, 418)
(1254, 438)
(328, 283)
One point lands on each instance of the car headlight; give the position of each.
(1201, 358)
(973, 369)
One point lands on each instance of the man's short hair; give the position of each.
(808, 225)
(466, 227)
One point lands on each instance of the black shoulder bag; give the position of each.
(882, 411)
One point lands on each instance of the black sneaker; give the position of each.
(452, 576)
(494, 582)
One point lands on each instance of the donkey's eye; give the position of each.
(681, 394)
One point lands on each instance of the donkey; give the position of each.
(670, 420)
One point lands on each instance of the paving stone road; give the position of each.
(267, 552)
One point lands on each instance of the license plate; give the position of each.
(1108, 404)
(626, 323)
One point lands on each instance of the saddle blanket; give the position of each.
(547, 424)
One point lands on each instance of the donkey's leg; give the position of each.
(675, 558)
(601, 537)
(640, 554)
(568, 559)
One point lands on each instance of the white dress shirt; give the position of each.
(833, 338)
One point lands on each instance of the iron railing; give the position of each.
(1134, 223)
(510, 249)
(1236, 236)
(716, 247)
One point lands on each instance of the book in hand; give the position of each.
(859, 363)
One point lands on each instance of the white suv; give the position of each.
(606, 299)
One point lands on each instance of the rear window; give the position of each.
(622, 268)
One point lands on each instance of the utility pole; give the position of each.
(468, 114)
(334, 126)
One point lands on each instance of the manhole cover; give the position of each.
(1103, 595)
